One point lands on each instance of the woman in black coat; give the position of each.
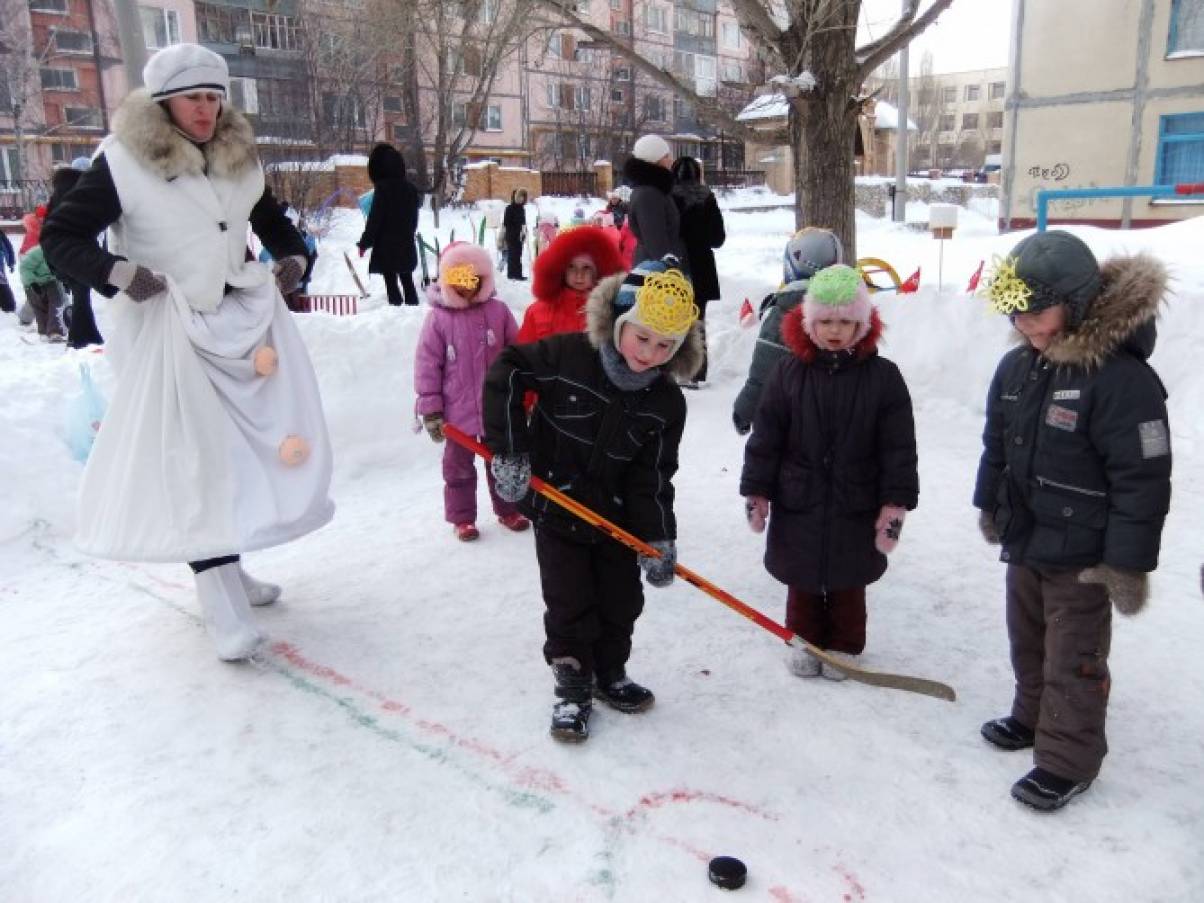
(701, 232)
(392, 223)
(81, 322)
(514, 223)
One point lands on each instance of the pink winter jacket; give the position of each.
(456, 347)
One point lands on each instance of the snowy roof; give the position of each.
(775, 106)
(886, 116)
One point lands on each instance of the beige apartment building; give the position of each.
(1104, 93)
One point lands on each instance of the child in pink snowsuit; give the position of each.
(465, 330)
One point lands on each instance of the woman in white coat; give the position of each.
(215, 442)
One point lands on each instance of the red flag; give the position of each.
(912, 285)
(747, 316)
(974, 279)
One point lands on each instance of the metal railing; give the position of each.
(20, 196)
(734, 178)
(569, 184)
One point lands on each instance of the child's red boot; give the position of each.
(467, 532)
(514, 521)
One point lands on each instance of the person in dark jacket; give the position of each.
(617, 209)
(808, 251)
(605, 430)
(1074, 484)
(652, 215)
(514, 226)
(9, 260)
(832, 465)
(391, 225)
(701, 232)
(82, 330)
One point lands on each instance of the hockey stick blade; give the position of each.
(905, 682)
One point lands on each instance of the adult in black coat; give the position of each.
(81, 323)
(652, 215)
(514, 223)
(701, 231)
(392, 223)
(7, 303)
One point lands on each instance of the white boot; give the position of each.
(832, 673)
(802, 663)
(259, 592)
(227, 613)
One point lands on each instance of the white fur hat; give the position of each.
(651, 149)
(182, 68)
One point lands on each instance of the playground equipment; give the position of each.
(876, 266)
(1046, 196)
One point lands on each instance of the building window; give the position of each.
(341, 111)
(488, 11)
(59, 80)
(997, 89)
(244, 96)
(654, 107)
(459, 114)
(623, 74)
(65, 153)
(617, 95)
(391, 104)
(949, 94)
(995, 147)
(616, 4)
(82, 118)
(220, 24)
(1187, 28)
(734, 73)
(623, 28)
(688, 21)
(401, 133)
(705, 71)
(493, 118)
(972, 92)
(995, 120)
(72, 41)
(732, 39)
(1180, 149)
(656, 18)
(948, 122)
(274, 32)
(969, 120)
(48, 6)
(160, 27)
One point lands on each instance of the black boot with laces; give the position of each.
(570, 714)
(620, 692)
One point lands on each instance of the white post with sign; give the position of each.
(942, 220)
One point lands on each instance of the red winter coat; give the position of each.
(558, 308)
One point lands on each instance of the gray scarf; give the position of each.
(621, 375)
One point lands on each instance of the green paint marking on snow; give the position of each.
(523, 799)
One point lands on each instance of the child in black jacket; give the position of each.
(605, 431)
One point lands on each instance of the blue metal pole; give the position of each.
(1045, 195)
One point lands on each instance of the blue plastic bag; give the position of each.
(85, 411)
(365, 202)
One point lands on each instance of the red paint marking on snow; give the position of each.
(657, 800)
(782, 895)
(855, 886)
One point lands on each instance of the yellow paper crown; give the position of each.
(665, 303)
(462, 275)
(1004, 289)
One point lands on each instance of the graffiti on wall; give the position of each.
(1059, 172)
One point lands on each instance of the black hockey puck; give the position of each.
(727, 872)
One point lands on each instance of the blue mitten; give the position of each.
(512, 476)
(659, 571)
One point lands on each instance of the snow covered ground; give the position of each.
(392, 744)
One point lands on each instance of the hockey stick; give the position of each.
(874, 678)
(355, 275)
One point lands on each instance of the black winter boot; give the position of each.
(1008, 733)
(570, 715)
(1046, 791)
(620, 692)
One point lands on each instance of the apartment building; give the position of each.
(1118, 104)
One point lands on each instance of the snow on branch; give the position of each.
(794, 85)
(871, 55)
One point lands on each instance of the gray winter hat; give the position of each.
(1058, 268)
(809, 251)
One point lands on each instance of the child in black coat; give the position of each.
(605, 431)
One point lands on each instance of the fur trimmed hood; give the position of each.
(801, 345)
(600, 328)
(462, 253)
(639, 172)
(1122, 315)
(548, 270)
(142, 125)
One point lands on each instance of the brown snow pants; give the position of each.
(1060, 632)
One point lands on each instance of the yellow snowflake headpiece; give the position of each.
(462, 276)
(1005, 290)
(658, 295)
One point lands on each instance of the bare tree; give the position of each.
(811, 45)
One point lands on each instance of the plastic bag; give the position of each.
(85, 412)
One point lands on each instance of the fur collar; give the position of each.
(638, 172)
(802, 347)
(144, 128)
(1121, 315)
(600, 327)
(691, 194)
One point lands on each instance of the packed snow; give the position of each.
(392, 742)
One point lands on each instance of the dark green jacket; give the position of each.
(769, 350)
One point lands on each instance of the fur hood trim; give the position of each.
(1133, 289)
(142, 125)
(802, 346)
(547, 273)
(600, 328)
(691, 194)
(462, 253)
(639, 172)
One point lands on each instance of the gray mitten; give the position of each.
(288, 273)
(986, 525)
(512, 476)
(1128, 590)
(659, 571)
(138, 283)
(433, 423)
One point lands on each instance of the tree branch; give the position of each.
(902, 33)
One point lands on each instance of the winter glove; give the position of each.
(756, 509)
(512, 476)
(138, 283)
(433, 424)
(888, 527)
(362, 251)
(743, 427)
(659, 571)
(986, 526)
(1127, 589)
(288, 273)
